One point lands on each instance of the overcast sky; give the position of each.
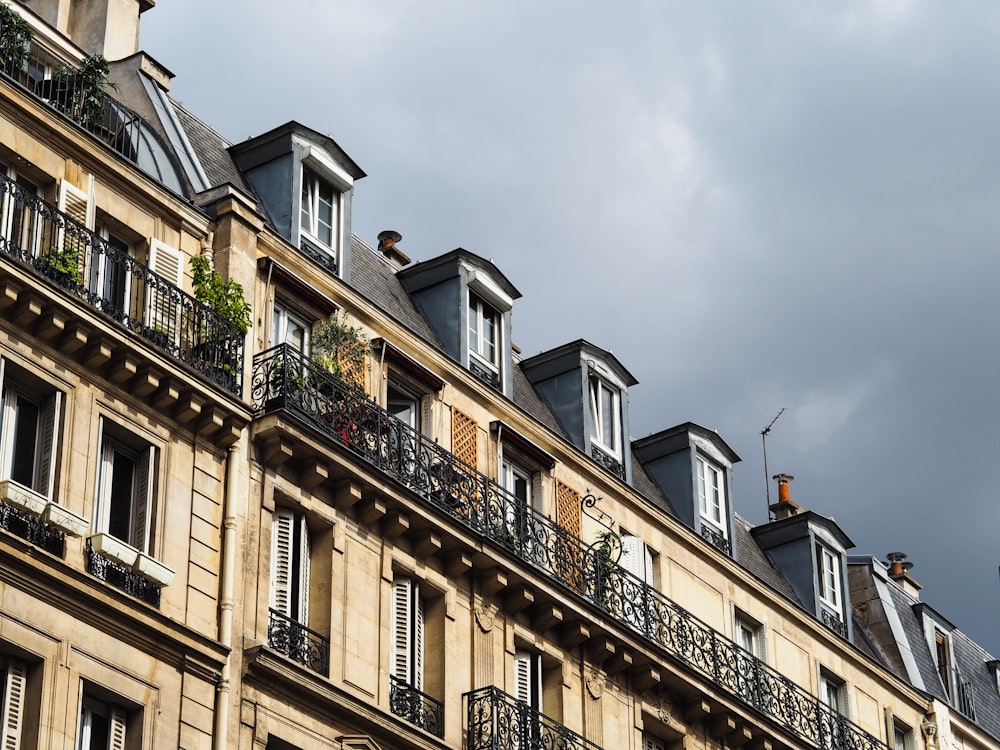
(755, 205)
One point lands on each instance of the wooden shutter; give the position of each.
(142, 499)
(163, 313)
(281, 561)
(401, 619)
(116, 721)
(568, 516)
(75, 203)
(48, 445)
(6, 425)
(102, 488)
(528, 679)
(465, 447)
(426, 417)
(636, 558)
(11, 718)
(300, 571)
(417, 642)
(652, 743)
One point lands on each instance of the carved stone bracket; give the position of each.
(486, 617)
(595, 680)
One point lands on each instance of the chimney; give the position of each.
(899, 571)
(387, 246)
(784, 508)
(99, 27)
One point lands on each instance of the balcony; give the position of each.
(122, 577)
(416, 707)
(286, 381)
(298, 643)
(497, 721)
(137, 299)
(32, 529)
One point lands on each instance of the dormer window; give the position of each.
(828, 570)
(712, 496)
(605, 412)
(484, 339)
(319, 209)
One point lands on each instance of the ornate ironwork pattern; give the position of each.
(715, 537)
(497, 721)
(283, 379)
(32, 529)
(608, 461)
(113, 123)
(113, 282)
(488, 376)
(316, 252)
(416, 707)
(298, 643)
(114, 573)
(832, 620)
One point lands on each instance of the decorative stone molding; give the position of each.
(595, 680)
(663, 704)
(486, 617)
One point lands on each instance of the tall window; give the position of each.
(29, 426)
(528, 679)
(319, 214)
(290, 557)
(125, 480)
(484, 332)
(605, 412)
(902, 736)
(831, 692)
(109, 274)
(19, 223)
(942, 658)
(404, 405)
(712, 495)
(749, 635)
(289, 328)
(407, 657)
(102, 726)
(828, 573)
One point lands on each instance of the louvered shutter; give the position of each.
(116, 722)
(426, 424)
(401, 641)
(417, 642)
(281, 561)
(48, 444)
(6, 425)
(11, 719)
(300, 572)
(162, 309)
(652, 743)
(102, 490)
(636, 558)
(75, 203)
(528, 679)
(142, 499)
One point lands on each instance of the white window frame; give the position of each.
(142, 481)
(712, 501)
(291, 553)
(92, 710)
(283, 319)
(528, 684)
(479, 311)
(406, 658)
(399, 400)
(46, 438)
(99, 269)
(828, 577)
(597, 387)
(832, 692)
(747, 629)
(9, 212)
(309, 203)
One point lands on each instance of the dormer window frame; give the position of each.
(828, 578)
(484, 296)
(316, 170)
(597, 387)
(481, 313)
(716, 512)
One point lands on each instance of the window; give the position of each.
(290, 558)
(942, 658)
(29, 429)
(289, 328)
(102, 726)
(828, 573)
(110, 280)
(319, 214)
(649, 742)
(19, 219)
(404, 406)
(831, 692)
(712, 495)
(484, 333)
(407, 646)
(125, 485)
(605, 412)
(528, 679)
(14, 675)
(749, 635)
(902, 736)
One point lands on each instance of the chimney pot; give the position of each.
(784, 494)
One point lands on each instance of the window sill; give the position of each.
(128, 556)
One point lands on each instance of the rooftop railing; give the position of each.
(106, 277)
(285, 380)
(498, 721)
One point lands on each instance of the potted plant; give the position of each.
(341, 348)
(225, 298)
(62, 266)
(81, 93)
(15, 39)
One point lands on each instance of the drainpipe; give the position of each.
(222, 690)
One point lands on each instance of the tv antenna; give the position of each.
(763, 442)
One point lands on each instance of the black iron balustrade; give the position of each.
(416, 707)
(108, 279)
(484, 373)
(55, 82)
(123, 578)
(498, 721)
(298, 643)
(283, 379)
(833, 621)
(32, 529)
(608, 461)
(716, 538)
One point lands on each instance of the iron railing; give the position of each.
(298, 643)
(126, 579)
(59, 85)
(32, 529)
(608, 461)
(498, 721)
(416, 707)
(283, 379)
(110, 280)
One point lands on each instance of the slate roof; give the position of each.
(211, 149)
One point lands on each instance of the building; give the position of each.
(351, 515)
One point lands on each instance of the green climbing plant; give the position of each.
(224, 296)
(83, 91)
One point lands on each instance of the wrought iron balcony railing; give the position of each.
(498, 721)
(283, 379)
(608, 461)
(58, 84)
(110, 280)
(298, 643)
(416, 707)
(123, 578)
(32, 529)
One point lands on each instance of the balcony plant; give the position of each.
(82, 93)
(224, 296)
(62, 266)
(15, 39)
(341, 348)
